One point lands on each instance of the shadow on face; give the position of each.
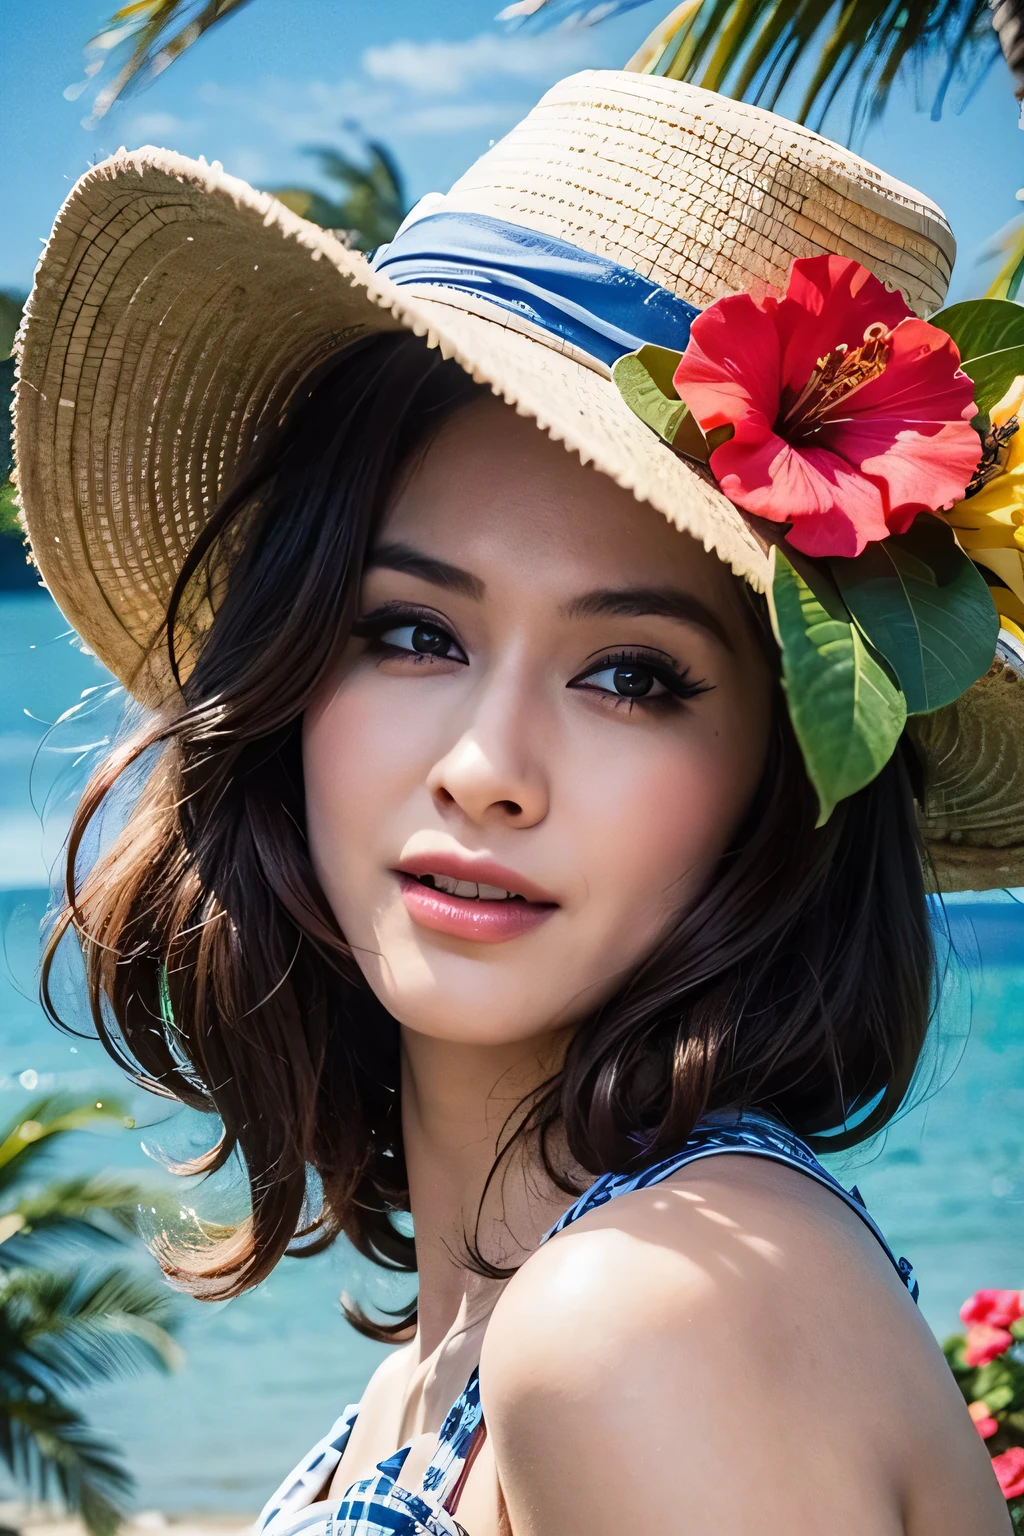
(548, 724)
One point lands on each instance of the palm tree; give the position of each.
(750, 47)
(371, 204)
(68, 1321)
(150, 34)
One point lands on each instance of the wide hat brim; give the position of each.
(175, 311)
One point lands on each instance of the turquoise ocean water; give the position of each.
(266, 1375)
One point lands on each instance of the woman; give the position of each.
(490, 861)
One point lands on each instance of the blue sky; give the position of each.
(437, 82)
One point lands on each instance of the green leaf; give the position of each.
(846, 712)
(994, 373)
(29, 1135)
(50, 1449)
(989, 334)
(992, 1377)
(924, 605)
(644, 380)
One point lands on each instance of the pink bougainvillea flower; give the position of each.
(849, 414)
(984, 1423)
(1009, 1468)
(996, 1308)
(985, 1343)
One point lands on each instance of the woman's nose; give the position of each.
(489, 774)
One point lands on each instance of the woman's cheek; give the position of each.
(355, 763)
(655, 824)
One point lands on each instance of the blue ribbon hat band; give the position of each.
(595, 305)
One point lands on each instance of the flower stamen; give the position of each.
(837, 376)
(995, 452)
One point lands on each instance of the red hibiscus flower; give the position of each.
(1009, 1468)
(984, 1423)
(985, 1343)
(849, 414)
(996, 1308)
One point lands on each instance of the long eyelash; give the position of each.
(371, 626)
(390, 614)
(679, 684)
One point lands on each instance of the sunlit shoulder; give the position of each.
(739, 1318)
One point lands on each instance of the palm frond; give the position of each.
(577, 13)
(372, 200)
(49, 1449)
(755, 49)
(1009, 280)
(85, 1211)
(148, 36)
(60, 1331)
(27, 1138)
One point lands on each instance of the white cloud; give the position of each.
(436, 104)
(438, 68)
(314, 113)
(462, 117)
(147, 127)
(251, 165)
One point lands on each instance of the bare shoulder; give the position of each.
(740, 1246)
(730, 1341)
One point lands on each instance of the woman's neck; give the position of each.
(459, 1102)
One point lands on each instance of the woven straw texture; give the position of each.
(703, 195)
(176, 309)
(972, 799)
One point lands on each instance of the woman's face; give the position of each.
(554, 699)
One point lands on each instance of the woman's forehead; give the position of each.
(495, 496)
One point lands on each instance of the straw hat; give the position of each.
(175, 309)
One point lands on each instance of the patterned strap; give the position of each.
(750, 1132)
(460, 1439)
(301, 1488)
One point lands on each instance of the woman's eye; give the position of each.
(422, 639)
(628, 681)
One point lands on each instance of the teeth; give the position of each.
(467, 888)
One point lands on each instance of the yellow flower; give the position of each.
(990, 524)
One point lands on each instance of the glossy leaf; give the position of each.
(925, 607)
(644, 380)
(993, 374)
(989, 334)
(846, 712)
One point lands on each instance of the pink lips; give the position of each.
(462, 917)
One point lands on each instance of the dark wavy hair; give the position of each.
(801, 981)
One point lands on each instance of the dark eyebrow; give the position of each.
(639, 602)
(402, 557)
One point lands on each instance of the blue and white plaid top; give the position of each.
(376, 1506)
